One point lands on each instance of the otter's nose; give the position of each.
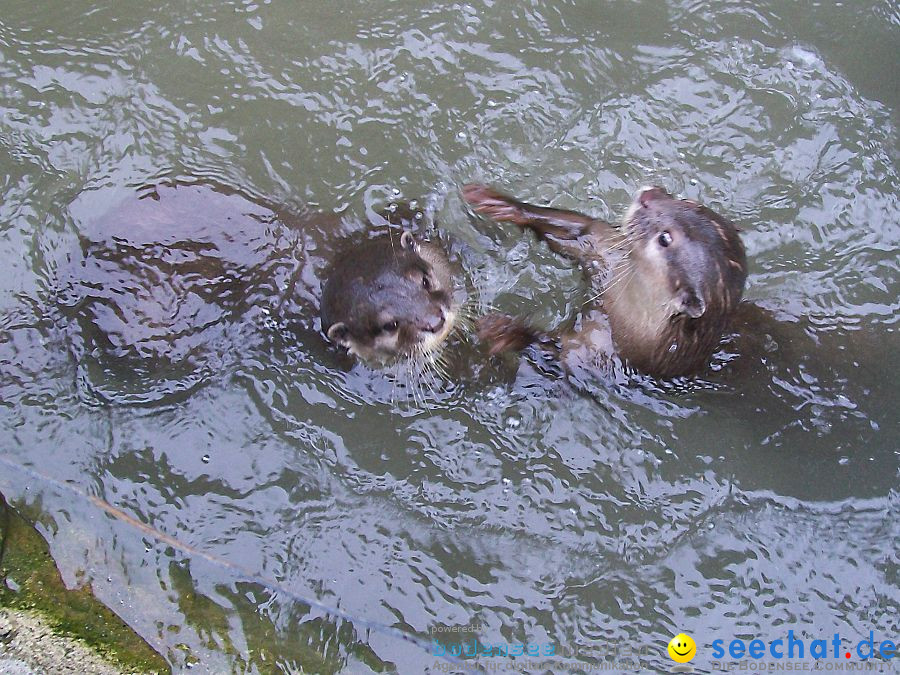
(693, 305)
(433, 324)
(649, 194)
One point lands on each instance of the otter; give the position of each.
(390, 297)
(669, 279)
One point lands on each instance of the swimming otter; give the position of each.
(670, 278)
(390, 296)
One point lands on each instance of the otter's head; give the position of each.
(683, 275)
(389, 297)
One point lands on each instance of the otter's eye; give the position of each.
(426, 283)
(664, 239)
(390, 326)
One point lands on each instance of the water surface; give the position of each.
(760, 498)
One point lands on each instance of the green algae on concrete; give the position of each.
(30, 583)
(318, 645)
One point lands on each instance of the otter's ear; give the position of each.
(338, 332)
(408, 241)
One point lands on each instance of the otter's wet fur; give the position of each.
(389, 297)
(670, 279)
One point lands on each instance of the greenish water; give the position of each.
(759, 499)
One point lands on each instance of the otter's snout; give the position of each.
(691, 304)
(649, 194)
(433, 324)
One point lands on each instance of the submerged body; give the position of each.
(170, 285)
(670, 278)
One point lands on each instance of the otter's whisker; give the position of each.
(464, 323)
(428, 375)
(412, 397)
(620, 279)
(439, 363)
(623, 277)
(439, 366)
(432, 382)
(624, 242)
(420, 373)
(393, 389)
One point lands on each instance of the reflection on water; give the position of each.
(760, 497)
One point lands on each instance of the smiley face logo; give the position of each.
(682, 648)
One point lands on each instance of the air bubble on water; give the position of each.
(513, 422)
(205, 459)
(844, 461)
(392, 207)
(710, 526)
(413, 203)
(418, 215)
(693, 181)
(395, 192)
(491, 103)
(461, 135)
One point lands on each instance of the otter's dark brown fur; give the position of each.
(390, 296)
(670, 277)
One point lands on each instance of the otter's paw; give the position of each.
(504, 333)
(496, 205)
